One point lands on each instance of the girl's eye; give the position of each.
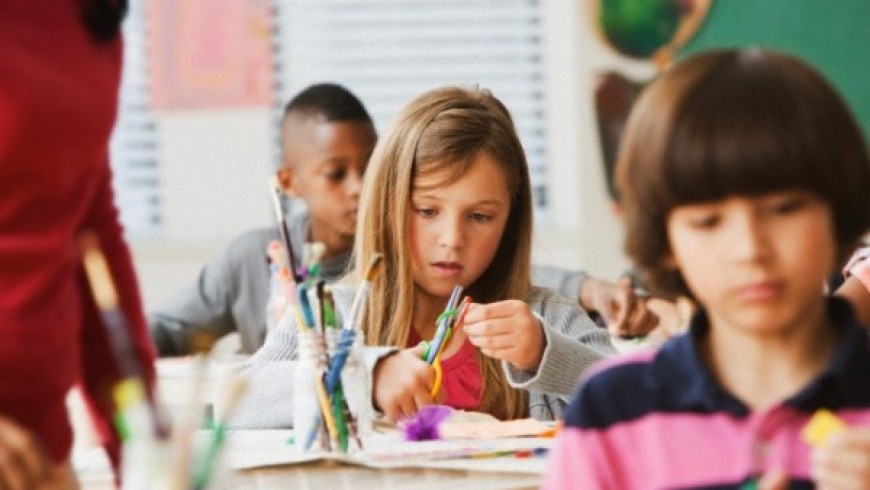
(480, 217)
(425, 212)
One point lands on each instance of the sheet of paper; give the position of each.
(495, 429)
(253, 449)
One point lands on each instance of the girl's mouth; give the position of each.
(447, 268)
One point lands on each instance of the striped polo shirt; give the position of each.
(659, 419)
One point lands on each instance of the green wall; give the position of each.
(832, 35)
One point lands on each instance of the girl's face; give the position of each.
(456, 229)
(757, 264)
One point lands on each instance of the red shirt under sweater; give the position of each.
(461, 381)
(58, 100)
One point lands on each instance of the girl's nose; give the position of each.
(451, 233)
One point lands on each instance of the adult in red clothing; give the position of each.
(60, 66)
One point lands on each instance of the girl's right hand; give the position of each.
(402, 383)
(23, 465)
(625, 314)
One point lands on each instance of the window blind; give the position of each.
(389, 51)
(133, 146)
(385, 51)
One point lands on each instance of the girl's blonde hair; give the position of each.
(441, 132)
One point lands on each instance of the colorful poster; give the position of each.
(206, 54)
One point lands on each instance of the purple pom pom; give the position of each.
(424, 425)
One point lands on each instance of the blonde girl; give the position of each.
(447, 200)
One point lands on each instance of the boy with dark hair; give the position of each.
(327, 137)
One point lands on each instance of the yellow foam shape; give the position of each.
(128, 392)
(822, 426)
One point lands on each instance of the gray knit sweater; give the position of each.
(232, 289)
(231, 292)
(573, 343)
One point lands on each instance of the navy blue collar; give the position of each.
(685, 382)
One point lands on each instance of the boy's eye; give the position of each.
(788, 205)
(336, 175)
(480, 217)
(705, 221)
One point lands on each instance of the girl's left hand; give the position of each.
(506, 330)
(843, 462)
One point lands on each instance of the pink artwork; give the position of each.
(206, 54)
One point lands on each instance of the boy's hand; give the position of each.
(506, 330)
(774, 480)
(23, 465)
(626, 315)
(402, 383)
(844, 461)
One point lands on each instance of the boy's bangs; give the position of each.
(755, 147)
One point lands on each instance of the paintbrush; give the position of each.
(201, 344)
(350, 329)
(277, 201)
(130, 391)
(238, 385)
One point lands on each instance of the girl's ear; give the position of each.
(287, 179)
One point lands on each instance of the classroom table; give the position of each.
(258, 460)
(325, 475)
(262, 459)
(338, 476)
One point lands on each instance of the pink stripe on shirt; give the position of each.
(684, 449)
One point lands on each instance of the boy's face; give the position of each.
(456, 229)
(757, 264)
(323, 165)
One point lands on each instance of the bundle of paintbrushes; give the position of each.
(152, 456)
(332, 389)
(140, 424)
